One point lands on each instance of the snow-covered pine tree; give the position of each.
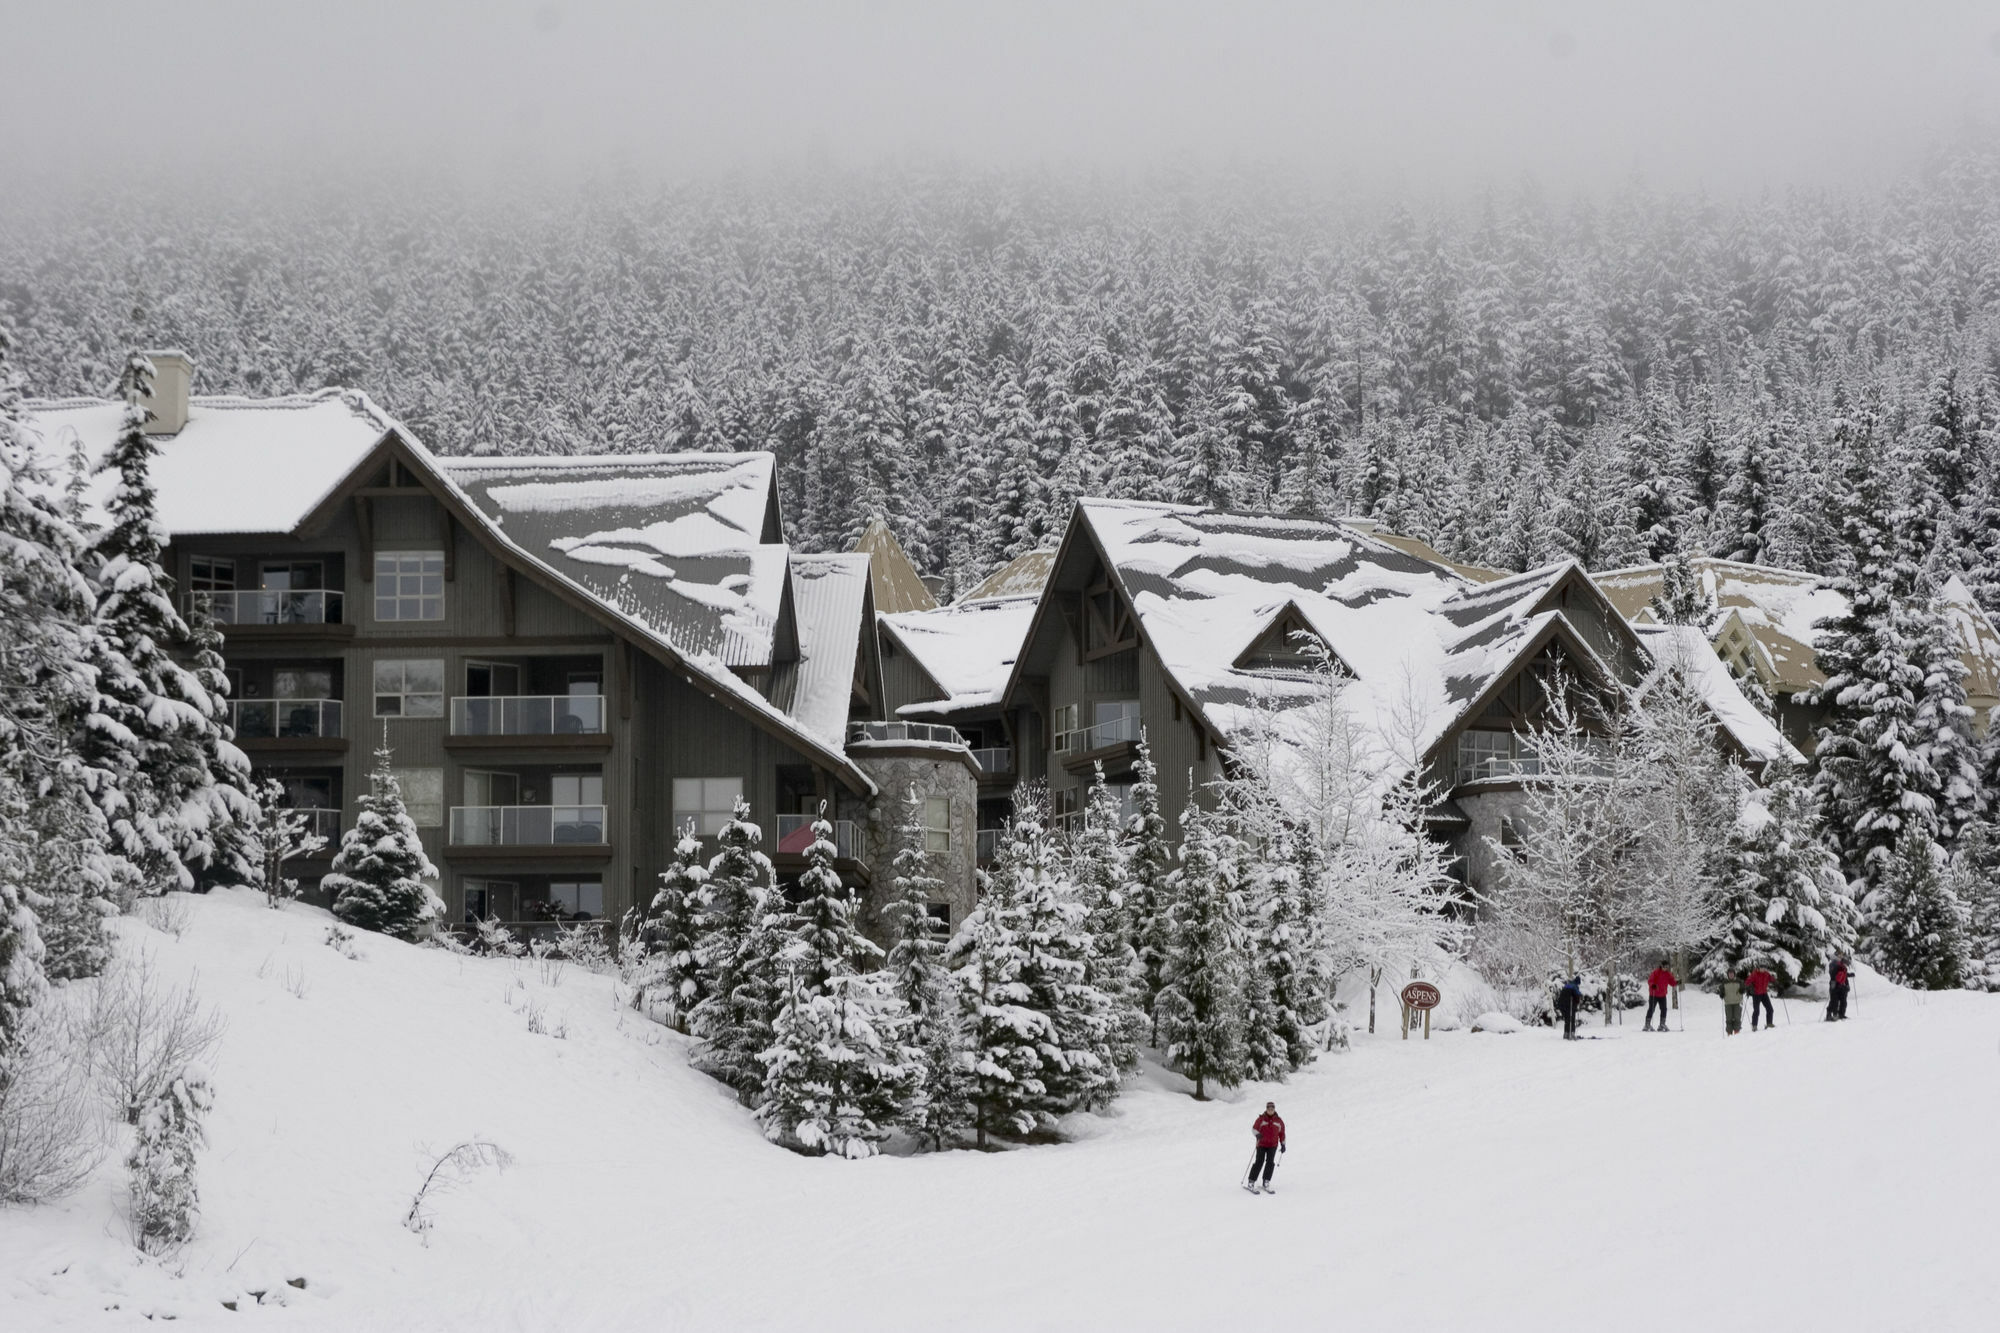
(940, 1105)
(834, 1079)
(1914, 930)
(1783, 905)
(1743, 523)
(1200, 1010)
(1942, 730)
(1097, 864)
(1149, 862)
(1079, 1066)
(1004, 1034)
(283, 834)
(222, 846)
(165, 1202)
(1975, 882)
(742, 927)
(668, 981)
(1684, 597)
(381, 879)
(1683, 800)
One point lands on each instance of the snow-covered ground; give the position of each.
(1819, 1176)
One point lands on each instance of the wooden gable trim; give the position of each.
(1293, 611)
(1557, 629)
(1557, 599)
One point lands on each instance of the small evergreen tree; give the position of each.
(742, 925)
(1915, 932)
(1975, 882)
(165, 1202)
(381, 880)
(1148, 864)
(1004, 1033)
(669, 977)
(1784, 906)
(940, 1106)
(833, 1080)
(1201, 1004)
(283, 834)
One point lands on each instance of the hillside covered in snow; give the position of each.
(1818, 1175)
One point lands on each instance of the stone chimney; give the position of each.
(173, 375)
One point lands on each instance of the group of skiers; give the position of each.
(1758, 982)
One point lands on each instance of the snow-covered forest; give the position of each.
(1511, 374)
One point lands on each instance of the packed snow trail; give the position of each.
(1836, 1174)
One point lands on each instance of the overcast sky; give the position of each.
(1429, 95)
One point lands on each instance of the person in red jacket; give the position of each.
(1758, 983)
(1658, 984)
(1270, 1132)
(1836, 993)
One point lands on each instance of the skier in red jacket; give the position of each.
(1758, 983)
(1836, 993)
(1270, 1132)
(1658, 984)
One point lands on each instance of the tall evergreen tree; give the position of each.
(742, 921)
(1784, 905)
(381, 879)
(1148, 866)
(1098, 867)
(1005, 1034)
(1915, 932)
(1201, 1003)
(1975, 883)
(940, 1107)
(670, 979)
(1078, 1064)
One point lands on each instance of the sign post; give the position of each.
(1423, 997)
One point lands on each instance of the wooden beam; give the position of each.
(365, 522)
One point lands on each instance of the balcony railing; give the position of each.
(1108, 732)
(285, 719)
(1487, 756)
(269, 606)
(527, 825)
(995, 759)
(986, 845)
(795, 836)
(528, 715)
(922, 733)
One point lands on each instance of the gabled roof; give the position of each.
(1424, 551)
(685, 543)
(1023, 576)
(238, 465)
(1686, 648)
(967, 649)
(898, 585)
(833, 601)
(683, 552)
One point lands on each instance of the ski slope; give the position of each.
(1819, 1175)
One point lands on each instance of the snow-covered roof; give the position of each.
(968, 648)
(675, 541)
(1023, 576)
(1781, 609)
(830, 595)
(1686, 648)
(897, 584)
(238, 465)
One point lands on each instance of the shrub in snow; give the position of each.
(1975, 882)
(283, 835)
(1200, 1006)
(381, 880)
(165, 1203)
(51, 1137)
(447, 1171)
(665, 973)
(489, 936)
(834, 1078)
(1915, 929)
(583, 943)
(741, 931)
(939, 1106)
(143, 1031)
(1495, 1021)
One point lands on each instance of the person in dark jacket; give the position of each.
(1758, 983)
(1658, 984)
(1568, 1001)
(1836, 991)
(1270, 1131)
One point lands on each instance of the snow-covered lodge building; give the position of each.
(568, 657)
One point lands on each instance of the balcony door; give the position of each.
(483, 787)
(578, 801)
(488, 680)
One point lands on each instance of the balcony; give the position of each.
(994, 761)
(288, 722)
(1112, 731)
(252, 607)
(570, 721)
(986, 845)
(545, 831)
(795, 837)
(903, 733)
(1506, 756)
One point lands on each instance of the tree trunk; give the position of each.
(1374, 980)
(1332, 1014)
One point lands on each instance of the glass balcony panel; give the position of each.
(288, 719)
(795, 836)
(995, 759)
(527, 825)
(528, 715)
(270, 606)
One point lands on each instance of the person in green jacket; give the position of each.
(1732, 1006)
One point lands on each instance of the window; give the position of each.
(937, 823)
(301, 683)
(1066, 809)
(940, 915)
(292, 576)
(574, 790)
(207, 573)
(489, 899)
(412, 687)
(423, 794)
(1113, 720)
(708, 803)
(577, 899)
(409, 585)
(1511, 840)
(1067, 730)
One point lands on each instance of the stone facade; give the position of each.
(934, 770)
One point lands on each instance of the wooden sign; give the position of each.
(1419, 997)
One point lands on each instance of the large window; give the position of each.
(577, 899)
(1068, 733)
(937, 823)
(708, 803)
(409, 585)
(211, 573)
(423, 794)
(1066, 809)
(409, 687)
(486, 899)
